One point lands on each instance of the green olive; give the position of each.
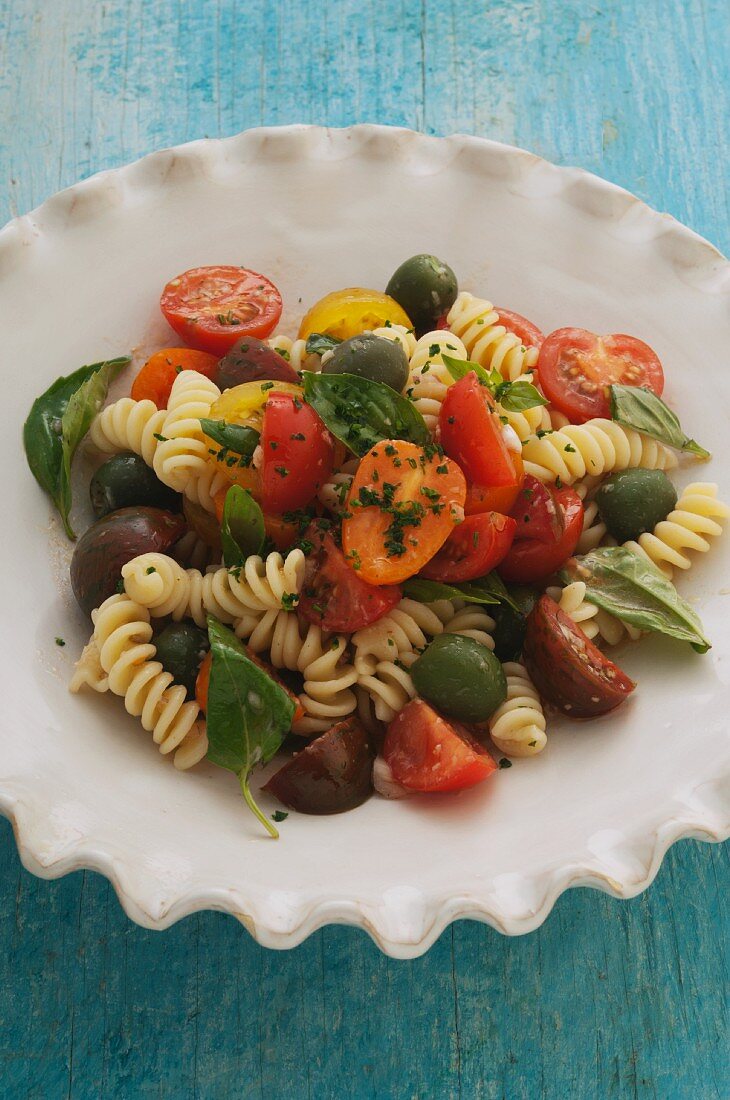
(372, 357)
(510, 624)
(426, 288)
(634, 501)
(126, 480)
(460, 677)
(180, 650)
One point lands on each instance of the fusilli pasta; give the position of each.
(689, 527)
(295, 352)
(517, 727)
(183, 456)
(596, 447)
(405, 629)
(128, 425)
(488, 342)
(572, 601)
(428, 375)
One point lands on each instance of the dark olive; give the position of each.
(114, 540)
(370, 356)
(332, 774)
(180, 650)
(634, 501)
(510, 625)
(426, 287)
(460, 677)
(125, 480)
(251, 360)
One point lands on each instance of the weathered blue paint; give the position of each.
(607, 999)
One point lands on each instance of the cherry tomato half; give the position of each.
(567, 669)
(472, 549)
(529, 334)
(402, 506)
(345, 313)
(535, 558)
(333, 595)
(213, 307)
(576, 367)
(427, 753)
(495, 498)
(298, 453)
(155, 380)
(471, 433)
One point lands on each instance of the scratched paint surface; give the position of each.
(607, 999)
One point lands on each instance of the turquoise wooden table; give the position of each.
(608, 999)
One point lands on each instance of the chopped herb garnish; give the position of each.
(282, 471)
(60, 642)
(505, 763)
(159, 438)
(279, 815)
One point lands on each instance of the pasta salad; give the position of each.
(389, 546)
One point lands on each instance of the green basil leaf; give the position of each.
(519, 396)
(639, 408)
(362, 413)
(632, 589)
(242, 527)
(318, 343)
(459, 368)
(248, 714)
(58, 421)
(231, 437)
(486, 590)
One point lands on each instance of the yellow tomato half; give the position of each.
(244, 405)
(345, 313)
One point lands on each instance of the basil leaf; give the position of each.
(232, 437)
(362, 413)
(459, 368)
(519, 396)
(318, 343)
(242, 527)
(486, 590)
(639, 408)
(248, 714)
(632, 589)
(58, 421)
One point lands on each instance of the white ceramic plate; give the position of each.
(319, 209)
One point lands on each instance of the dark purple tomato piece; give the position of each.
(252, 360)
(111, 542)
(332, 774)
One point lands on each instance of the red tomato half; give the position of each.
(333, 597)
(213, 307)
(298, 453)
(472, 549)
(533, 559)
(427, 753)
(567, 669)
(576, 367)
(471, 434)
(528, 333)
(495, 498)
(536, 512)
(155, 380)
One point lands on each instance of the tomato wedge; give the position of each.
(576, 367)
(298, 453)
(335, 597)
(202, 683)
(427, 753)
(471, 433)
(547, 533)
(474, 548)
(567, 669)
(402, 506)
(154, 381)
(213, 307)
(529, 334)
(495, 498)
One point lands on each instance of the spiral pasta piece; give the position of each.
(295, 352)
(389, 686)
(428, 376)
(688, 528)
(529, 421)
(399, 334)
(472, 621)
(192, 552)
(183, 455)
(161, 585)
(88, 671)
(405, 629)
(597, 447)
(128, 425)
(517, 727)
(122, 635)
(572, 600)
(488, 342)
(333, 494)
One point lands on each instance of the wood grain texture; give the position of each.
(607, 999)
